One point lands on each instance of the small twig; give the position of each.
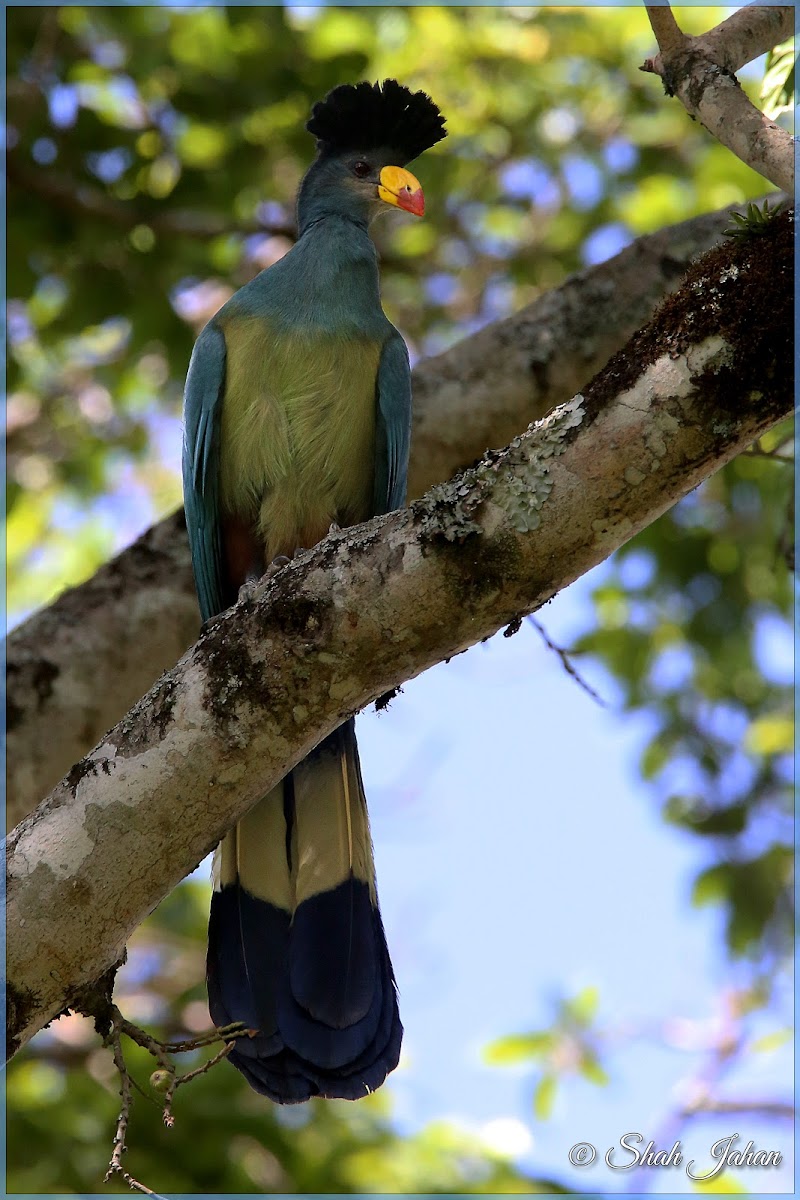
(143, 1039)
(723, 1055)
(223, 1053)
(161, 1052)
(740, 1108)
(115, 1164)
(757, 452)
(566, 662)
(178, 1081)
(235, 1030)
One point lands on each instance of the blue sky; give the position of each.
(520, 857)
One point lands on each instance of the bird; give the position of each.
(297, 419)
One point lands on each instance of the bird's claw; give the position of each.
(277, 563)
(247, 590)
(253, 582)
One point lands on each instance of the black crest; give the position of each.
(363, 116)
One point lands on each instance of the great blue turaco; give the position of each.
(297, 416)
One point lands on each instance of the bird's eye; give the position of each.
(361, 168)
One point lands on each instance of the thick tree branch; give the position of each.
(748, 33)
(733, 43)
(700, 72)
(369, 608)
(77, 666)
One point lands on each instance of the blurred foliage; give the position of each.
(693, 622)
(154, 154)
(777, 89)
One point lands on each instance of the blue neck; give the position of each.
(322, 195)
(328, 280)
(338, 260)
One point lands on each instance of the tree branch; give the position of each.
(371, 607)
(755, 1107)
(666, 28)
(749, 33)
(700, 72)
(78, 665)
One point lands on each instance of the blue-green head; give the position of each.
(366, 133)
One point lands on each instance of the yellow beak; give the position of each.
(399, 187)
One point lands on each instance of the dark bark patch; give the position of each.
(14, 715)
(480, 568)
(21, 1004)
(44, 675)
(35, 677)
(95, 999)
(740, 290)
(386, 699)
(164, 704)
(86, 766)
(233, 676)
(296, 613)
(444, 514)
(539, 367)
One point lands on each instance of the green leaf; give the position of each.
(544, 1096)
(754, 222)
(519, 1047)
(592, 1069)
(770, 1042)
(712, 885)
(771, 734)
(777, 88)
(691, 813)
(583, 1006)
(654, 758)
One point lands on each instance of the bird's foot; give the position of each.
(253, 582)
(334, 528)
(277, 563)
(247, 590)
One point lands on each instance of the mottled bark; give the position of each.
(77, 666)
(371, 607)
(749, 33)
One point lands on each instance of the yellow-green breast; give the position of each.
(298, 431)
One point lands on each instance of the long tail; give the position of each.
(296, 947)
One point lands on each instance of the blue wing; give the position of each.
(202, 408)
(393, 427)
